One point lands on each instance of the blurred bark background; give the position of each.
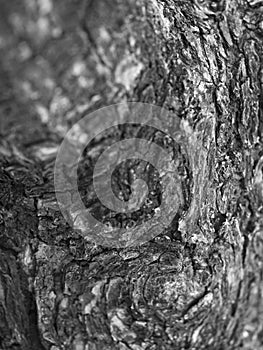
(196, 286)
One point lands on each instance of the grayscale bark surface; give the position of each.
(199, 284)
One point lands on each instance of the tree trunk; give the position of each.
(198, 284)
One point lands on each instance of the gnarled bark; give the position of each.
(197, 285)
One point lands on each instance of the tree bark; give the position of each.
(198, 284)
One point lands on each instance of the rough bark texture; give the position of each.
(199, 284)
